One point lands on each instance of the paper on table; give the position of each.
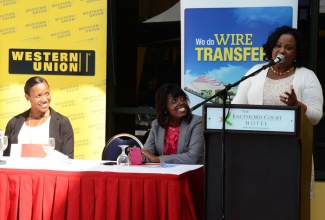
(57, 154)
(15, 150)
(32, 150)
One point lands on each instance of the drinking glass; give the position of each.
(3, 144)
(123, 159)
(49, 146)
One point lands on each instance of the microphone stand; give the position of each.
(224, 93)
(229, 86)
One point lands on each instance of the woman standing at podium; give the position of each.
(176, 135)
(288, 82)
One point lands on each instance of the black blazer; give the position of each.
(60, 129)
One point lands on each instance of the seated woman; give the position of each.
(40, 122)
(176, 135)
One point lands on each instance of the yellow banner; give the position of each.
(64, 42)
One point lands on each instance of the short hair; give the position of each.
(32, 82)
(301, 58)
(161, 99)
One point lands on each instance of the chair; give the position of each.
(145, 137)
(111, 150)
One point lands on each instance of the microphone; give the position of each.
(279, 59)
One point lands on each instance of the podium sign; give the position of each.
(266, 163)
(252, 119)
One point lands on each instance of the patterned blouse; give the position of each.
(274, 88)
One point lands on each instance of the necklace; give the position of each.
(174, 125)
(278, 73)
(30, 128)
(38, 122)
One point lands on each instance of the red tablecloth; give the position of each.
(46, 194)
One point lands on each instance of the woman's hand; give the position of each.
(129, 149)
(290, 99)
(152, 158)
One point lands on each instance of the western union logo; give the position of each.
(52, 62)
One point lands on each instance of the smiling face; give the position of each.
(39, 97)
(286, 45)
(176, 108)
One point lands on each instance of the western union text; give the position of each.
(50, 61)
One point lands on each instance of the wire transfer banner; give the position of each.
(222, 40)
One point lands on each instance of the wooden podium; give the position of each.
(267, 163)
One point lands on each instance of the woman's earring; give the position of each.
(165, 119)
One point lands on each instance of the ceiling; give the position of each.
(173, 13)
